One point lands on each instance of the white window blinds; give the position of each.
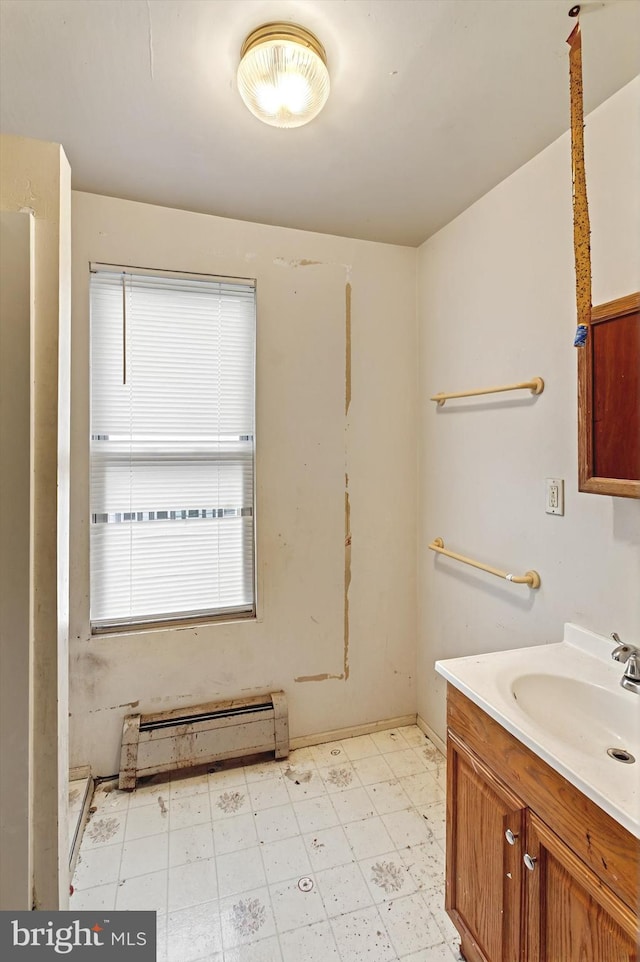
(172, 447)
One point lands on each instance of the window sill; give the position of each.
(178, 624)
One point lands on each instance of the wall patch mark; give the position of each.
(150, 39)
(296, 262)
(347, 365)
(322, 677)
(347, 576)
(344, 675)
(347, 501)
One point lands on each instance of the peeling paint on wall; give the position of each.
(126, 704)
(344, 675)
(307, 262)
(322, 677)
(150, 36)
(295, 262)
(347, 573)
(347, 373)
(347, 501)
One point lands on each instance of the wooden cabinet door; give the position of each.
(609, 400)
(571, 916)
(484, 871)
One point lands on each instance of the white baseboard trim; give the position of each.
(431, 735)
(337, 734)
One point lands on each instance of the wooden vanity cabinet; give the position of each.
(570, 915)
(484, 872)
(578, 899)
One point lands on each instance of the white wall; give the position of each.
(306, 444)
(497, 305)
(36, 177)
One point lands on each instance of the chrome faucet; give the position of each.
(629, 655)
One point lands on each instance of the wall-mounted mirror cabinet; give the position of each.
(609, 400)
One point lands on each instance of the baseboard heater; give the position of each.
(175, 740)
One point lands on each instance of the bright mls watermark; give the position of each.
(102, 936)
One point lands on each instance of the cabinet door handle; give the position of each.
(529, 861)
(511, 836)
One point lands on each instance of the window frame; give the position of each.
(192, 618)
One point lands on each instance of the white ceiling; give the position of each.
(433, 102)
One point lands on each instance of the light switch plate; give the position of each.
(554, 496)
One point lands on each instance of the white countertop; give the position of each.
(564, 702)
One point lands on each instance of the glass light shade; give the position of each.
(282, 76)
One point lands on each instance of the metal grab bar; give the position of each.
(531, 578)
(535, 385)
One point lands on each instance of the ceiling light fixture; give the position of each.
(282, 76)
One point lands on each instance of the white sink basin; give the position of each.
(564, 701)
(589, 717)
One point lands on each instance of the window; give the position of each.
(172, 447)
